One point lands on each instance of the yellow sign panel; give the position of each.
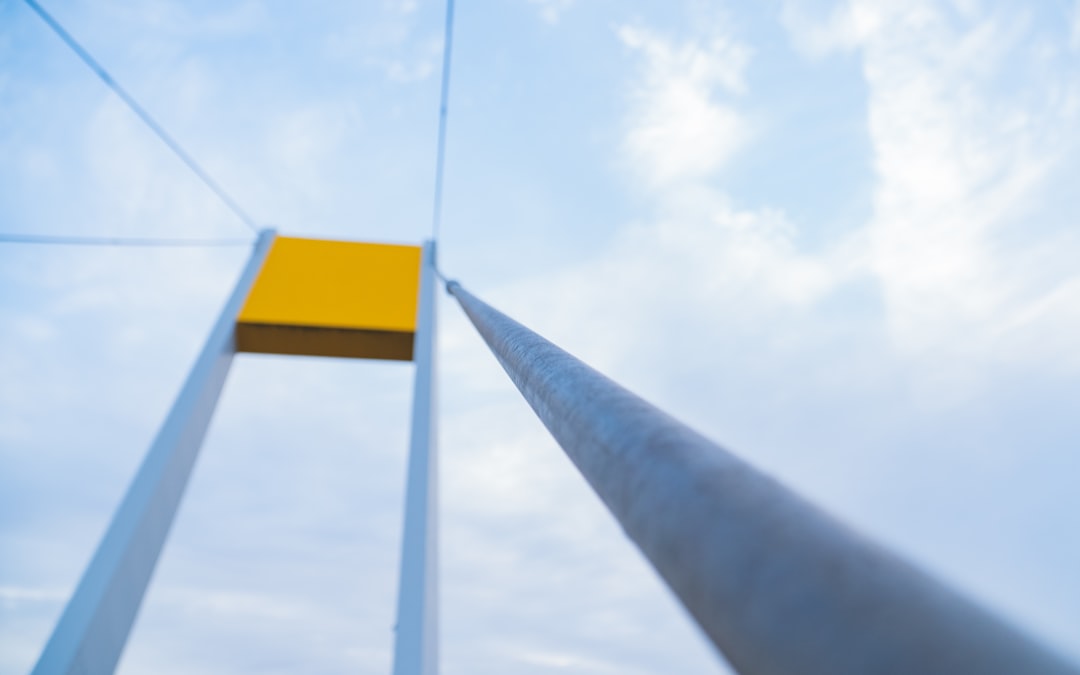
(333, 298)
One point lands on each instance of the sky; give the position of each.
(839, 237)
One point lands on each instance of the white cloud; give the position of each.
(961, 154)
(700, 269)
(968, 127)
(961, 269)
(552, 10)
(679, 127)
(844, 25)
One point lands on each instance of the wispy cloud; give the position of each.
(552, 10)
(972, 117)
(842, 27)
(682, 126)
(968, 126)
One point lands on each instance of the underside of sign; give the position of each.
(319, 297)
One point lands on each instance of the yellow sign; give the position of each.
(333, 298)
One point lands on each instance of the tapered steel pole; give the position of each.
(416, 639)
(777, 585)
(94, 627)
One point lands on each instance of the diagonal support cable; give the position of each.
(444, 98)
(145, 116)
(155, 242)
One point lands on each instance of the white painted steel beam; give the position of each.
(94, 627)
(416, 639)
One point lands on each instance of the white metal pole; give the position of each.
(92, 631)
(416, 640)
(777, 585)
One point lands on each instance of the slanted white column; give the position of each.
(416, 640)
(94, 627)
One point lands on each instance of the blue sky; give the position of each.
(839, 237)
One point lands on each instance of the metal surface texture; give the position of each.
(416, 638)
(94, 627)
(777, 585)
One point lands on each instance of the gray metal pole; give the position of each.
(416, 641)
(777, 585)
(94, 627)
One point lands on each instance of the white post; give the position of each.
(92, 631)
(416, 642)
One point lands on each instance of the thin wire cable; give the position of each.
(440, 152)
(118, 241)
(147, 119)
